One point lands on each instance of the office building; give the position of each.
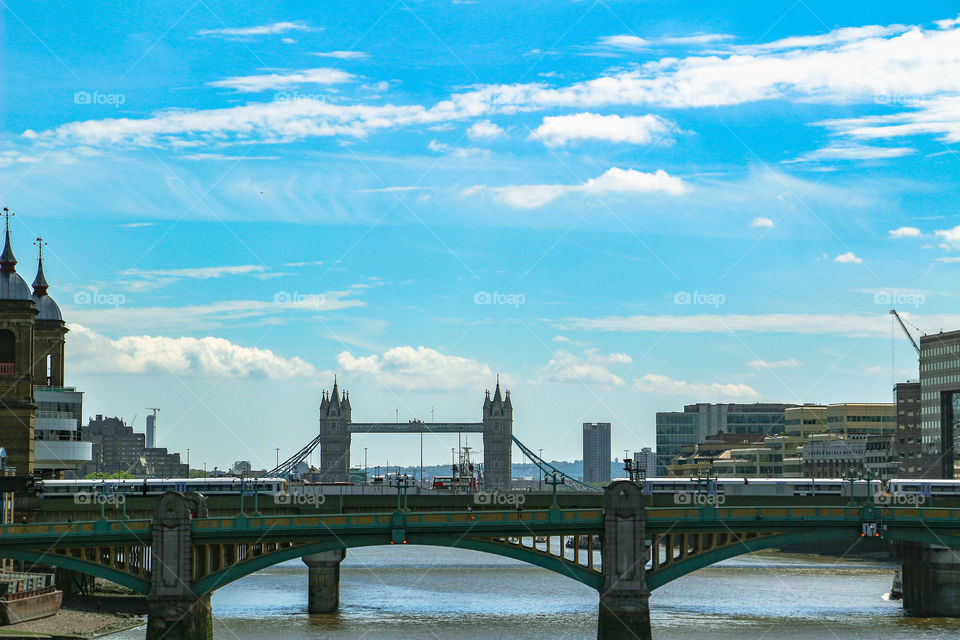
(829, 455)
(58, 449)
(908, 441)
(802, 421)
(596, 452)
(676, 430)
(939, 401)
(645, 461)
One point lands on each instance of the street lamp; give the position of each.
(364, 465)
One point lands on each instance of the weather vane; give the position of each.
(8, 214)
(40, 243)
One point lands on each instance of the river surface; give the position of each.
(421, 593)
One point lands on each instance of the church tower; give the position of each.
(17, 316)
(335, 415)
(497, 441)
(49, 333)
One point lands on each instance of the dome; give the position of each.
(47, 308)
(13, 287)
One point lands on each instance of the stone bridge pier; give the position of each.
(323, 595)
(931, 579)
(174, 612)
(625, 599)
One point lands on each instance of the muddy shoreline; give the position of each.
(110, 609)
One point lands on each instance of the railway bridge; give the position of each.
(622, 548)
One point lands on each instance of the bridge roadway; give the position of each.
(643, 547)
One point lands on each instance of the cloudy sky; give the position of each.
(619, 207)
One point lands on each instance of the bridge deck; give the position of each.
(414, 427)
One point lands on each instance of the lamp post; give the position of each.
(540, 467)
(188, 463)
(364, 465)
(278, 458)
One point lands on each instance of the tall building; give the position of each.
(596, 452)
(676, 430)
(646, 461)
(42, 438)
(116, 448)
(908, 441)
(939, 401)
(335, 414)
(151, 431)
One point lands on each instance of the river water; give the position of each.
(421, 593)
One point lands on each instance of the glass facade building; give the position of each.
(676, 429)
(939, 401)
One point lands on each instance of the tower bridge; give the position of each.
(623, 548)
(337, 427)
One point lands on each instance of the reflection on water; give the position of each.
(430, 592)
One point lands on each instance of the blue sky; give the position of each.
(619, 207)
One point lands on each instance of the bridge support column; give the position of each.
(931, 580)
(625, 599)
(174, 612)
(324, 580)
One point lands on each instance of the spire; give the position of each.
(7, 261)
(496, 393)
(40, 285)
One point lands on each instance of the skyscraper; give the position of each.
(151, 431)
(596, 452)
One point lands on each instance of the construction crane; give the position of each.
(896, 315)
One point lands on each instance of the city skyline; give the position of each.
(620, 211)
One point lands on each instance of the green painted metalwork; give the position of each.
(77, 564)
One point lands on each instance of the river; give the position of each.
(420, 593)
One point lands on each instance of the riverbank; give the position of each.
(110, 609)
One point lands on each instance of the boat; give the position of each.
(27, 596)
(896, 589)
(583, 542)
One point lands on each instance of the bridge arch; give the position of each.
(561, 566)
(678, 569)
(140, 585)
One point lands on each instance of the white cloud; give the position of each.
(947, 24)
(950, 236)
(848, 258)
(560, 130)
(91, 352)
(321, 76)
(905, 232)
(762, 223)
(846, 65)
(664, 385)
(261, 30)
(591, 368)
(484, 130)
(422, 368)
(200, 273)
(342, 55)
(614, 180)
(789, 363)
(635, 43)
(848, 324)
(855, 152)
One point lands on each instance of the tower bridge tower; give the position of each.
(497, 440)
(335, 415)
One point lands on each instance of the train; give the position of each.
(803, 487)
(159, 486)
